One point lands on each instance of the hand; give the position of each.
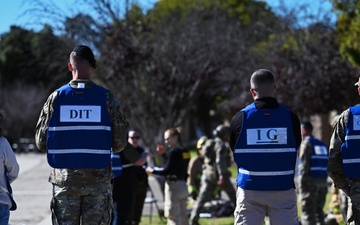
(149, 169)
(221, 180)
(160, 149)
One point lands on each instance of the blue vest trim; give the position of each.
(79, 133)
(117, 167)
(349, 149)
(319, 158)
(265, 151)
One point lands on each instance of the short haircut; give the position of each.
(262, 80)
(79, 63)
(307, 126)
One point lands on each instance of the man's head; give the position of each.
(200, 143)
(306, 129)
(222, 132)
(82, 60)
(262, 84)
(357, 84)
(134, 137)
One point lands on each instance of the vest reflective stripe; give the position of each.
(89, 151)
(350, 148)
(79, 133)
(265, 151)
(351, 161)
(264, 173)
(66, 128)
(352, 137)
(117, 166)
(319, 158)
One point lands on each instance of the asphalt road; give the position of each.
(32, 192)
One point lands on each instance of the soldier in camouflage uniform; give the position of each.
(313, 176)
(195, 170)
(217, 159)
(83, 194)
(343, 166)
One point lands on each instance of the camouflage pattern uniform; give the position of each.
(335, 170)
(313, 190)
(69, 185)
(215, 165)
(194, 178)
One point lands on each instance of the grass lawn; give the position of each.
(155, 220)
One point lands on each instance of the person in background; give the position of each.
(313, 158)
(344, 155)
(125, 182)
(265, 136)
(78, 127)
(217, 159)
(195, 169)
(175, 173)
(9, 169)
(142, 184)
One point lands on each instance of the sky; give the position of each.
(11, 11)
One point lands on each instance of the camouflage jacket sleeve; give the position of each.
(119, 124)
(222, 154)
(305, 152)
(43, 122)
(334, 169)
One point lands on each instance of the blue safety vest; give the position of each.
(116, 164)
(265, 151)
(350, 148)
(319, 158)
(79, 133)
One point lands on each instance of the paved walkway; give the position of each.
(32, 191)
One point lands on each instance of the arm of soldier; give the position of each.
(191, 172)
(191, 179)
(335, 161)
(221, 165)
(235, 128)
(43, 122)
(119, 124)
(305, 158)
(296, 128)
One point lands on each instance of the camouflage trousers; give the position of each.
(312, 198)
(82, 204)
(353, 212)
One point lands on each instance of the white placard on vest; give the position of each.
(320, 150)
(267, 136)
(80, 113)
(356, 120)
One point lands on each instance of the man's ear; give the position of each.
(253, 92)
(70, 66)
